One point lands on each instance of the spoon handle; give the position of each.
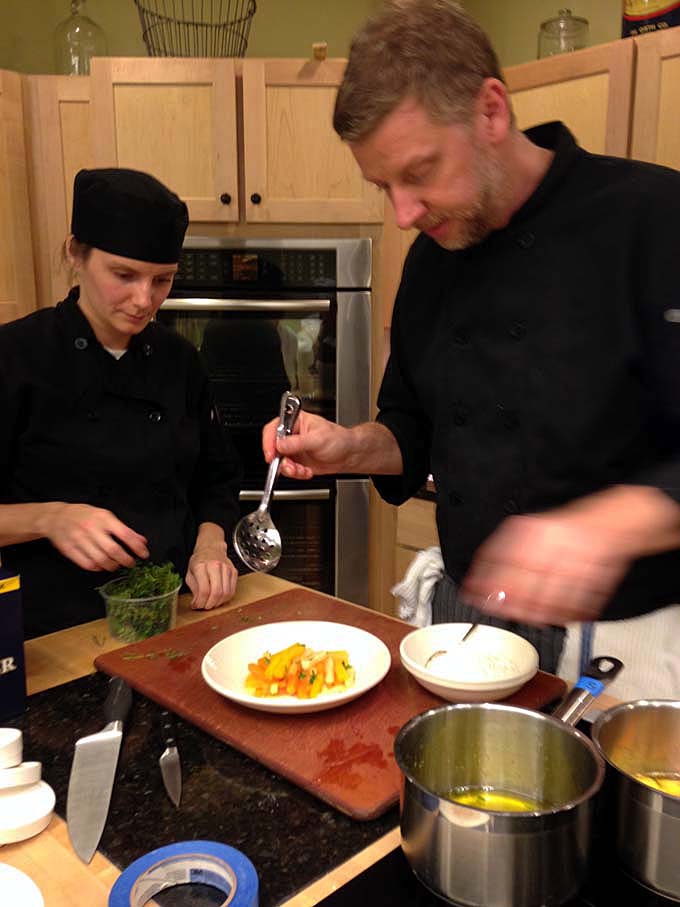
(288, 413)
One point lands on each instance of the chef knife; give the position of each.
(171, 766)
(93, 772)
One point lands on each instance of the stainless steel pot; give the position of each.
(488, 857)
(643, 738)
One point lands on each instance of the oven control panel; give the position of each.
(261, 269)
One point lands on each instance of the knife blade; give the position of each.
(170, 763)
(93, 772)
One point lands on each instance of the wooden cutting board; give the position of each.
(343, 755)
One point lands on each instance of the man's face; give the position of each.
(440, 178)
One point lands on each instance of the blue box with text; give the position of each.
(12, 665)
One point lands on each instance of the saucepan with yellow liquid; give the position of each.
(496, 800)
(640, 742)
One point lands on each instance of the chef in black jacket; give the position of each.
(535, 346)
(110, 448)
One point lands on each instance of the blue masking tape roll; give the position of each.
(188, 863)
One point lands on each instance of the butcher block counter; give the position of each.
(229, 778)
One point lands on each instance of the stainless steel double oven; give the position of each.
(270, 315)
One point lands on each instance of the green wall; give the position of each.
(513, 26)
(280, 28)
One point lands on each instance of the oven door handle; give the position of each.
(312, 494)
(246, 305)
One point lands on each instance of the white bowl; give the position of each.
(225, 665)
(491, 664)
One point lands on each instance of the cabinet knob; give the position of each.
(225, 198)
(256, 198)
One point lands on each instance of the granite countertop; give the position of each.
(291, 837)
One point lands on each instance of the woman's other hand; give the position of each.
(91, 536)
(211, 576)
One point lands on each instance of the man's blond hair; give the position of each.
(428, 50)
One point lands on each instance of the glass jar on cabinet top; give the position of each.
(562, 34)
(76, 40)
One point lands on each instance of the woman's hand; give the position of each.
(91, 536)
(211, 576)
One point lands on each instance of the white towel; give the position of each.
(416, 589)
(648, 646)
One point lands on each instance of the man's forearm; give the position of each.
(375, 450)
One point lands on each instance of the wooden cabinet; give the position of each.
(59, 145)
(296, 167)
(17, 287)
(656, 136)
(174, 118)
(589, 90)
(177, 119)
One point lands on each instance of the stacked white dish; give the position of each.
(26, 802)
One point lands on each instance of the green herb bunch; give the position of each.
(130, 619)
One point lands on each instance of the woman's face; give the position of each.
(119, 296)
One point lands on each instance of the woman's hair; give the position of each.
(428, 50)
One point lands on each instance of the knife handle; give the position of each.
(119, 700)
(168, 729)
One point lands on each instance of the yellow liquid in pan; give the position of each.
(667, 783)
(494, 799)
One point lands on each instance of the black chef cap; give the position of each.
(128, 213)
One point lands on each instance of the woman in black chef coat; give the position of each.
(110, 448)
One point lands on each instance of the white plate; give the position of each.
(225, 665)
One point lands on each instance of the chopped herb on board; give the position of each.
(132, 618)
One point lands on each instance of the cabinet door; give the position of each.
(17, 287)
(296, 167)
(589, 90)
(656, 136)
(175, 119)
(58, 133)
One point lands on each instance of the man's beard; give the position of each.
(473, 224)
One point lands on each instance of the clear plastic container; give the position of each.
(132, 619)
(562, 34)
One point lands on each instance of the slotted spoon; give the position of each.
(256, 539)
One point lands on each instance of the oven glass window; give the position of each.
(252, 358)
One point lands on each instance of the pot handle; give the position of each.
(599, 672)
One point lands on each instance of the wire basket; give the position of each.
(196, 28)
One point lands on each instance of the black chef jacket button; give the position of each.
(517, 330)
(80, 343)
(155, 416)
(459, 419)
(461, 338)
(526, 240)
(147, 349)
(92, 416)
(455, 498)
(511, 507)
